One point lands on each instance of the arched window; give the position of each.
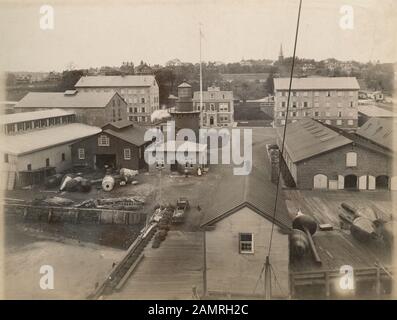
(351, 159)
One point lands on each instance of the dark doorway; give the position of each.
(103, 160)
(351, 182)
(382, 182)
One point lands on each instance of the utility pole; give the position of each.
(201, 80)
(268, 280)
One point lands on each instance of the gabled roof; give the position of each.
(254, 191)
(33, 115)
(121, 124)
(317, 83)
(133, 135)
(32, 141)
(184, 85)
(380, 131)
(116, 81)
(307, 138)
(60, 100)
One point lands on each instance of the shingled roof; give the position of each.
(307, 138)
(379, 131)
(317, 83)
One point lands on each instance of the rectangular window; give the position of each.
(63, 157)
(246, 242)
(305, 105)
(142, 100)
(29, 167)
(283, 122)
(316, 113)
(143, 110)
(6, 158)
(283, 104)
(350, 122)
(81, 153)
(305, 93)
(47, 162)
(339, 114)
(294, 104)
(103, 141)
(351, 104)
(328, 93)
(351, 159)
(339, 122)
(127, 154)
(316, 93)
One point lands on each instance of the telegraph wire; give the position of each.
(267, 264)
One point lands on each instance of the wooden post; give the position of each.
(292, 285)
(327, 284)
(378, 283)
(205, 289)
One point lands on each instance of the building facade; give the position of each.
(92, 108)
(316, 156)
(37, 144)
(217, 109)
(140, 92)
(331, 100)
(119, 145)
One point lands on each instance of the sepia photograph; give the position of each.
(210, 151)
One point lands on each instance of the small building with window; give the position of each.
(119, 145)
(319, 156)
(237, 229)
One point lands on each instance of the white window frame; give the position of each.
(241, 242)
(81, 153)
(127, 153)
(105, 142)
(351, 159)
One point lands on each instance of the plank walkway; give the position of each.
(168, 272)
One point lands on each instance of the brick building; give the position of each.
(141, 92)
(331, 100)
(217, 109)
(119, 145)
(319, 156)
(92, 108)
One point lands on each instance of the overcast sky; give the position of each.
(90, 34)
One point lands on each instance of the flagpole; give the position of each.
(201, 83)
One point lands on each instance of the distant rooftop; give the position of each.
(375, 112)
(41, 139)
(317, 83)
(116, 81)
(33, 115)
(80, 99)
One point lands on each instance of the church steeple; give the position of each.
(281, 55)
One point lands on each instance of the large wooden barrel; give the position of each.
(108, 183)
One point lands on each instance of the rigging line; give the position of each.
(277, 282)
(285, 127)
